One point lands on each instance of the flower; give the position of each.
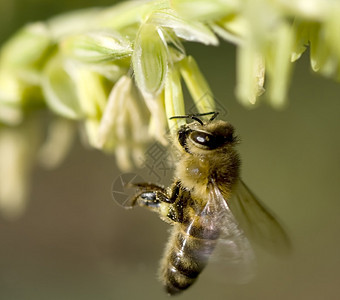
(118, 70)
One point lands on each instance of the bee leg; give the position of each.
(146, 192)
(152, 199)
(149, 195)
(156, 198)
(175, 191)
(175, 208)
(159, 203)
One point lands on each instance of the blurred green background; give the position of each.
(74, 242)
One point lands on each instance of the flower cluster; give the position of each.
(117, 72)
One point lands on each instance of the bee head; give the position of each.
(201, 137)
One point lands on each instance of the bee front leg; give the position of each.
(152, 200)
(149, 195)
(156, 198)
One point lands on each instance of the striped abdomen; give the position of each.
(187, 253)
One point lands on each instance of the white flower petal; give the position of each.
(59, 90)
(185, 29)
(226, 35)
(123, 157)
(91, 126)
(205, 10)
(90, 88)
(301, 39)
(18, 146)
(114, 107)
(60, 138)
(321, 56)
(158, 122)
(306, 9)
(72, 23)
(250, 75)
(110, 71)
(279, 66)
(11, 87)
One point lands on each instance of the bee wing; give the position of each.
(233, 252)
(259, 225)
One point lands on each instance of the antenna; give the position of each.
(196, 116)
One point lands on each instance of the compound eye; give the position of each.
(205, 139)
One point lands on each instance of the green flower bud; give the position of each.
(173, 97)
(97, 47)
(150, 59)
(197, 85)
(27, 48)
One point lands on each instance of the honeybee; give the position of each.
(207, 204)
